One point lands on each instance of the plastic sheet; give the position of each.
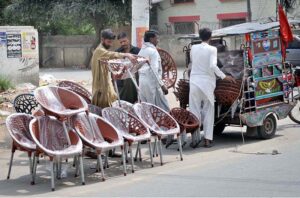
(60, 101)
(18, 127)
(48, 133)
(119, 67)
(88, 126)
(128, 125)
(156, 119)
(124, 105)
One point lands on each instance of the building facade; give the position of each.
(187, 16)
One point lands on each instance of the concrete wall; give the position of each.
(208, 10)
(70, 51)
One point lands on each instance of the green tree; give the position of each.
(57, 16)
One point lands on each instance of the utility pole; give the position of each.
(249, 11)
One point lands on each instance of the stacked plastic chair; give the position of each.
(83, 92)
(160, 123)
(98, 134)
(18, 128)
(188, 123)
(131, 128)
(52, 140)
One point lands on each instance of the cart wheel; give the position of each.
(295, 113)
(268, 129)
(219, 128)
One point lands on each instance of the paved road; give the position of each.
(230, 168)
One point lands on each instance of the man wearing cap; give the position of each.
(127, 89)
(103, 91)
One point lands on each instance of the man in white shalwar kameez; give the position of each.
(152, 89)
(203, 82)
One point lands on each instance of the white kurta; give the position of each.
(204, 70)
(150, 88)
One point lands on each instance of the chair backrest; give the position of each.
(18, 128)
(127, 106)
(154, 117)
(169, 68)
(59, 100)
(25, 103)
(184, 117)
(49, 135)
(125, 122)
(96, 129)
(75, 87)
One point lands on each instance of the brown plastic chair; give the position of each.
(188, 123)
(131, 128)
(159, 122)
(98, 134)
(60, 102)
(75, 87)
(169, 68)
(127, 106)
(49, 135)
(18, 128)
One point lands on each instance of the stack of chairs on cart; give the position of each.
(59, 123)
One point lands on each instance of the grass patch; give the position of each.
(5, 83)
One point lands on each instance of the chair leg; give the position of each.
(10, 163)
(160, 151)
(137, 151)
(124, 160)
(150, 152)
(74, 161)
(81, 170)
(35, 161)
(78, 163)
(52, 175)
(131, 157)
(101, 166)
(154, 146)
(106, 159)
(30, 162)
(157, 149)
(140, 153)
(98, 165)
(180, 147)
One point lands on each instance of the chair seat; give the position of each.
(137, 138)
(69, 151)
(106, 145)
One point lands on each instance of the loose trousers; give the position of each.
(203, 109)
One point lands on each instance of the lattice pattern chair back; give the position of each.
(125, 122)
(75, 87)
(169, 68)
(186, 119)
(127, 106)
(25, 103)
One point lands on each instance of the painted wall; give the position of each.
(19, 54)
(208, 10)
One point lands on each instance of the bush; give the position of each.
(5, 83)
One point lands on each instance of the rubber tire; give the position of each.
(270, 121)
(219, 128)
(291, 115)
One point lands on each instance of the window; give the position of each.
(182, 1)
(230, 22)
(294, 45)
(184, 28)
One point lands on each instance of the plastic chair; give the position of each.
(169, 68)
(159, 122)
(59, 102)
(75, 87)
(98, 134)
(188, 123)
(18, 128)
(51, 140)
(131, 128)
(127, 106)
(25, 103)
